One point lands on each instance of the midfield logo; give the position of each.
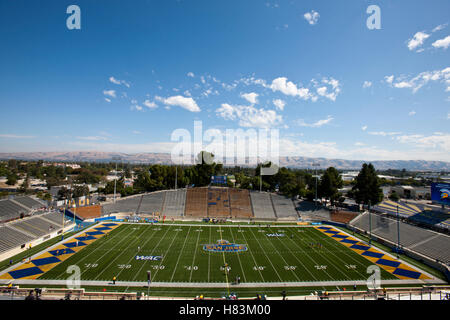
(275, 234)
(152, 258)
(224, 246)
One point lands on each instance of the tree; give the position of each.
(79, 191)
(394, 196)
(12, 179)
(330, 182)
(367, 186)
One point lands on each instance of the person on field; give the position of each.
(114, 280)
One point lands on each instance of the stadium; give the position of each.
(218, 243)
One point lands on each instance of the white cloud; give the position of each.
(440, 27)
(249, 116)
(442, 43)
(435, 141)
(279, 104)
(92, 138)
(119, 82)
(411, 113)
(180, 101)
(389, 79)
(110, 93)
(251, 97)
(316, 124)
(150, 104)
(367, 84)
(403, 84)
(289, 88)
(190, 74)
(417, 40)
(364, 128)
(312, 17)
(107, 100)
(15, 136)
(383, 133)
(136, 132)
(359, 144)
(421, 79)
(286, 87)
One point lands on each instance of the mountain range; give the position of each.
(165, 158)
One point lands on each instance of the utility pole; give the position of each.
(398, 232)
(370, 226)
(176, 177)
(115, 179)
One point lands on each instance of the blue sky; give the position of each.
(137, 71)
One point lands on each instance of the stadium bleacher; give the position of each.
(262, 205)
(151, 203)
(284, 207)
(218, 202)
(240, 203)
(423, 241)
(9, 209)
(30, 202)
(128, 205)
(196, 202)
(16, 207)
(416, 213)
(22, 231)
(174, 203)
(10, 238)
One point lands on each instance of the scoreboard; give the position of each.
(440, 193)
(219, 180)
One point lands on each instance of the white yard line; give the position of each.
(304, 267)
(195, 252)
(93, 251)
(181, 253)
(270, 261)
(154, 248)
(239, 259)
(253, 257)
(124, 251)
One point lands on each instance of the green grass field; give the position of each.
(267, 259)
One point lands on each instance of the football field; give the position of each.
(216, 254)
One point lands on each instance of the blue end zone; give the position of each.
(349, 241)
(407, 273)
(389, 263)
(110, 224)
(102, 228)
(94, 233)
(373, 254)
(43, 261)
(359, 247)
(74, 244)
(61, 251)
(86, 238)
(339, 236)
(17, 274)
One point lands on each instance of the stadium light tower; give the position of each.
(316, 164)
(398, 232)
(115, 180)
(370, 227)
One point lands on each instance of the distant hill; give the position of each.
(164, 158)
